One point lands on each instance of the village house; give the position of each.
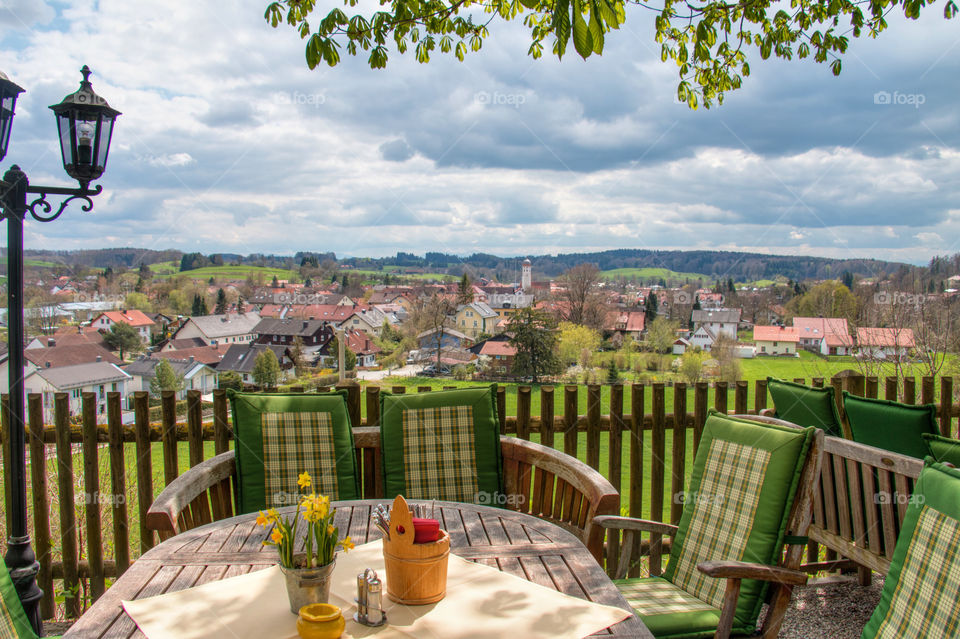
(501, 354)
(476, 318)
(812, 330)
(97, 377)
(217, 330)
(776, 340)
(240, 359)
(885, 343)
(313, 334)
(723, 321)
(359, 344)
(131, 317)
(196, 375)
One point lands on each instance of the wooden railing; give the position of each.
(108, 473)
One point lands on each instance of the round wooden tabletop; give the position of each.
(513, 542)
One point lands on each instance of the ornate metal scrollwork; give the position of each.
(39, 209)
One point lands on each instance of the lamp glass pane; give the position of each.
(105, 133)
(65, 130)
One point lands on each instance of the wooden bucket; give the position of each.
(416, 573)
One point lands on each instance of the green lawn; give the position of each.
(650, 272)
(234, 273)
(395, 270)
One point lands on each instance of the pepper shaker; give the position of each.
(362, 595)
(375, 614)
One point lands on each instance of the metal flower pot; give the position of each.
(308, 585)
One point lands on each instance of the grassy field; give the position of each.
(394, 270)
(227, 272)
(650, 272)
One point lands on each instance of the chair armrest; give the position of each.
(632, 523)
(523, 459)
(164, 514)
(730, 569)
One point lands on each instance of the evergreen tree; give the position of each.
(613, 375)
(241, 307)
(221, 306)
(266, 369)
(199, 307)
(650, 308)
(465, 291)
(274, 283)
(847, 279)
(536, 343)
(124, 338)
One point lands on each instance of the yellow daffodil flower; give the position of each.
(347, 544)
(303, 481)
(262, 519)
(276, 536)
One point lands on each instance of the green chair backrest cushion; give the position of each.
(442, 445)
(744, 479)
(943, 449)
(806, 405)
(13, 620)
(278, 436)
(890, 425)
(919, 596)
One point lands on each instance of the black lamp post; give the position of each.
(85, 125)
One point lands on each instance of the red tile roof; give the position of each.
(133, 317)
(498, 348)
(775, 334)
(885, 337)
(209, 355)
(57, 356)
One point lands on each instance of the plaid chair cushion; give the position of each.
(806, 405)
(890, 425)
(13, 620)
(919, 597)
(279, 436)
(442, 445)
(668, 611)
(744, 479)
(724, 509)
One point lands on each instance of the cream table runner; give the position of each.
(481, 602)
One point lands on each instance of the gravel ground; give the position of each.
(835, 610)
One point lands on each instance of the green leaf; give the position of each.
(582, 40)
(835, 66)
(596, 28)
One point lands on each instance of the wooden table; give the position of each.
(513, 542)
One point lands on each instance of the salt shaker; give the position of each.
(362, 594)
(375, 614)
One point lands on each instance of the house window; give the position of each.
(763, 349)
(774, 344)
(75, 393)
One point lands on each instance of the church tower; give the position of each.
(526, 276)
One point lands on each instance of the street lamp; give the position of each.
(85, 126)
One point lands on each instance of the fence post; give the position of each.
(118, 485)
(570, 418)
(373, 405)
(679, 449)
(872, 388)
(657, 474)
(720, 397)
(615, 460)
(909, 390)
(68, 521)
(502, 408)
(927, 393)
(523, 412)
(890, 389)
(168, 420)
(221, 427)
(91, 502)
(760, 395)
(353, 401)
(41, 504)
(141, 414)
(194, 427)
(547, 411)
(741, 391)
(700, 402)
(946, 406)
(593, 426)
(636, 463)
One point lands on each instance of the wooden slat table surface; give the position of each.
(515, 543)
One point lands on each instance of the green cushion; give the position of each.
(279, 436)
(668, 611)
(806, 405)
(890, 425)
(13, 620)
(943, 449)
(442, 445)
(744, 479)
(919, 596)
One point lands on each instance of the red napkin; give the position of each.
(425, 530)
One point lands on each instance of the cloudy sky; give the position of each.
(228, 142)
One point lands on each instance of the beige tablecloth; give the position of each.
(481, 602)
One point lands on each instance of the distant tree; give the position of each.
(533, 336)
(165, 379)
(585, 302)
(465, 291)
(124, 338)
(266, 369)
(145, 271)
(847, 279)
(274, 283)
(827, 299)
(241, 307)
(661, 334)
(691, 365)
(230, 379)
(199, 307)
(650, 307)
(108, 274)
(431, 314)
(349, 357)
(137, 300)
(221, 306)
(577, 343)
(300, 365)
(613, 375)
(724, 351)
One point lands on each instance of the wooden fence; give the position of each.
(88, 442)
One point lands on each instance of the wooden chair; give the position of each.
(538, 480)
(689, 605)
